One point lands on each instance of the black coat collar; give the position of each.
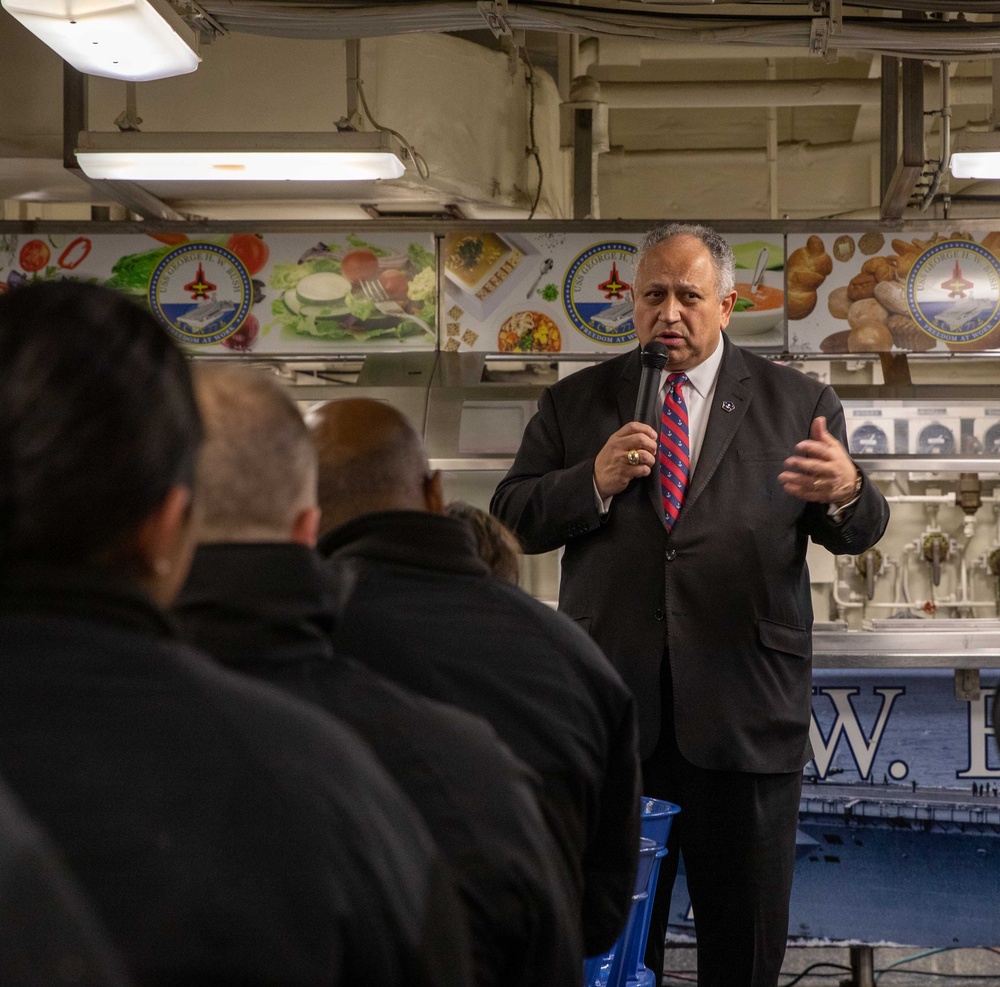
(86, 592)
(416, 539)
(276, 595)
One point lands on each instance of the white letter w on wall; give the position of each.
(847, 725)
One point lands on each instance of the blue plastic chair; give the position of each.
(622, 965)
(657, 817)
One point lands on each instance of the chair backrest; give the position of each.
(657, 816)
(622, 965)
(623, 959)
(644, 871)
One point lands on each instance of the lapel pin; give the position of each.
(728, 406)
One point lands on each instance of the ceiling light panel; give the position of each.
(976, 154)
(321, 157)
(135, 40)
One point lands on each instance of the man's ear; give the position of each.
(305, 527)
(161, 545)
(433, 493)
(157, 535)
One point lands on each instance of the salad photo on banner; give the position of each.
(872, 292)
(243, 292)
(355, 293)
(573, 292)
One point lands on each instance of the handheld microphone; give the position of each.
(654, 359)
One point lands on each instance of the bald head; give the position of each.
(257, 471)
(370, 459)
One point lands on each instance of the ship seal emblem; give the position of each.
(953, 291)
(597, 298)
(201, 292)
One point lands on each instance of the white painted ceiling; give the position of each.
(694, 94)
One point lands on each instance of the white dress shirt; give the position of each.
(697, 393)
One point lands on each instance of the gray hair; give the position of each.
(717, 246)
(257, 468)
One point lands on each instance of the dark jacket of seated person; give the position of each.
(264, 609)
(423, 609)
(49, 935)
(224, 832)
(425, 612)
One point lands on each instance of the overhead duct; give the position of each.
(781, 92)
(954, 40)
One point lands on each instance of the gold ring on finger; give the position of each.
(633, 457)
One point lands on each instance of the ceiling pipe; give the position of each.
(772, 148)
(966, 90)
(875, 35)
(945, 160)
(611, 53)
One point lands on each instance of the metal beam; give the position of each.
(583, 162)
(913, 107)
(133, 197)
(890, 121)
(74, 113)
(621, 95)
(895, 368)
(910, 166)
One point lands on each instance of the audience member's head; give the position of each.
(257, 469)
(100, 435)
(371, 459)
(498, 545)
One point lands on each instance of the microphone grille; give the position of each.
(654, 355)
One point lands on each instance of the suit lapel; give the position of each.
(722, 424)
(628, 392)
(628, 387)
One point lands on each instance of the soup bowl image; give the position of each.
(763, 309)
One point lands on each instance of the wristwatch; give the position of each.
(837, 513)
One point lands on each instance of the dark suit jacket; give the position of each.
(725, 595)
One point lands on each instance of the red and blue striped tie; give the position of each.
(675, 453)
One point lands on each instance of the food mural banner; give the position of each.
(875, 292)
(244, 293)
(573, 292)
(899, 821)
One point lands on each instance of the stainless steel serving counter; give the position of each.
(926, 648)
(965, 645)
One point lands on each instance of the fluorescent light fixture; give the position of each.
(294, 157)
(135, 40)
(976, 154)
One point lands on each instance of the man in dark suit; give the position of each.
(685, 559)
